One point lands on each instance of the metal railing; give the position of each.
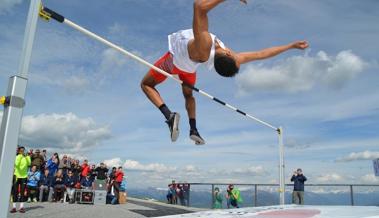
(254, 187)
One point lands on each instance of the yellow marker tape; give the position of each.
(2, 100)
(43, 14)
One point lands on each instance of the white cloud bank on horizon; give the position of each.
(302, 73)
(62, 131)
(356, 156)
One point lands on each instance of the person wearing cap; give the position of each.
(298, 187)
(217, 204)
(37, 159)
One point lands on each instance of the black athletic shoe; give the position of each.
(195, 136)
(173, 125)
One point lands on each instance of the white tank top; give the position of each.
(178, 47)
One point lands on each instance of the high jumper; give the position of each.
(190, 48)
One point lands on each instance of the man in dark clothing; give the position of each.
(46, 185)
(70, 183)
(37, 159)
(102, 172)
(298, 188)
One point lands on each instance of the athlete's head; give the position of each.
(225, 63)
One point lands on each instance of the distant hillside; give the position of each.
(202, 199)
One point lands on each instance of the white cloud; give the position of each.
(302, 73)
(7, 5)
(252, 170)
(364, 155)
(153, 167)
(114, 162)
(370, 178)
(64, 131)
(330, 178)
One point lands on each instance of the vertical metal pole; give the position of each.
(255, 195)
(351, 195)
(213, 196)
(282, 188)
(11, 122)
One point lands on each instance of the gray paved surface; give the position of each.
(135, 208)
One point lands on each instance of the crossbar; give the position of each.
(52, 14)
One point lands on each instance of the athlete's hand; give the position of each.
(300, 44)
(244, 1)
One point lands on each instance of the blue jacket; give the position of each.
(86, 183)
(33, 178)
(298, 182)
(53, 167)
(46, 180)
(70, 181)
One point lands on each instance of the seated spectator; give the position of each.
(59, 187)
(70, 183)
(37, 159)
(32, 184)
(86, 182)
(46, 185)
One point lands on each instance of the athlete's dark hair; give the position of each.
(225, 65)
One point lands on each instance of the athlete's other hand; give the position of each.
(300, 44)
(244, 1)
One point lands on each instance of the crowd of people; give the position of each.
(232, 196)
(38, 178)
(178, 193)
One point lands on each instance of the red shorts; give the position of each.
(166, 63)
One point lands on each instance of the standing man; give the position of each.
(298, 187)
(188, 49)
(21, 166)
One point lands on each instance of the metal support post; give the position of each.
(282, 188)
(13, 109)
(351, 195)
(255, 195)
(213, 196)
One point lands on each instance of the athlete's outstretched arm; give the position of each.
(245, 57)
(199, 48)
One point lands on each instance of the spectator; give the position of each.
(169, 194)
(59, 187)
(46, 183)
(70, 183)
(85, 169)
(44, 155)
(101, 172)
(173, 189)
(179, 193)
(298, 188)
(86, 182)
(93, 172)
(37, 159)
(52, 164)
(64, 165)
(119, 175)
(235, 196)
(76, 168)
(186, 193)
(32, 184)
(217, 199)
(21, 164)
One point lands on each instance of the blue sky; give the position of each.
(84, 99)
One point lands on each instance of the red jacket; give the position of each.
(85, 170)
(119, 176)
